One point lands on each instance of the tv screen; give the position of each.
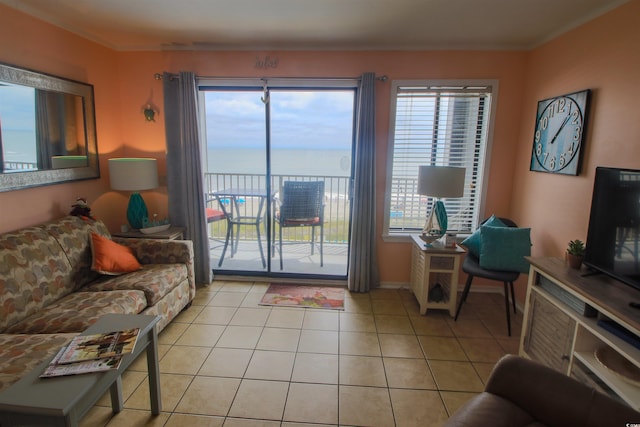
(613, 238)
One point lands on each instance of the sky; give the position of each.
(317, 119)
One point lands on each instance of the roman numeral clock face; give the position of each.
(559, 134)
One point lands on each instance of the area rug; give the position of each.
(304, 296)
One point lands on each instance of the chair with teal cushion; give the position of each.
(496, 253)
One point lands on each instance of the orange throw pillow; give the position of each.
(111, 258)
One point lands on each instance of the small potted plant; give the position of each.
(575, 253)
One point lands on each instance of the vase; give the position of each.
(575, 261)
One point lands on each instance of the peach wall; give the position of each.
(137, 84)
(600, 55)
(30, 43)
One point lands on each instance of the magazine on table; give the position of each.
(100, 346)
(100, 365)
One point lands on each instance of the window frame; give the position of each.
(389, 235)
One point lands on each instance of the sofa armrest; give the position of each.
(163, 251)
(553, 398)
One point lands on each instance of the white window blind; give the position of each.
(442, 126)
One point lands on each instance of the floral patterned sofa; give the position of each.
(49, 293)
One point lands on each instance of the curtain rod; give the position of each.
(158, 76)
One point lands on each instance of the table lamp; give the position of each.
(134, 174)
(439, 182)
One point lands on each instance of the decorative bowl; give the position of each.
(156, 229)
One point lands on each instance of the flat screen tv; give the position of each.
(613, 238)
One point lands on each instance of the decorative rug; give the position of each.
(305, 296)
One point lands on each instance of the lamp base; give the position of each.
(436, 225)
(136, 211)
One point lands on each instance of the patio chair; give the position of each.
(301, 205)
(214, 215)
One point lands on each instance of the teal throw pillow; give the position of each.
(473, 243)
(504, 248)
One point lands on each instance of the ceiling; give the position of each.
(130, 25)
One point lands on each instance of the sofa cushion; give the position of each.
(111, 258)
(20, 353)
(34, 272)
(79, 310)
(74, 235)
(155, 280)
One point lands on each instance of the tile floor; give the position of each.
(226, 361)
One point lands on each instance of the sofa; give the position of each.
(50, 291)
(521, 392)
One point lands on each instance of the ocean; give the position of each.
(330, 162)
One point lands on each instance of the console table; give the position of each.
(431, 265)
(63, 401)
(572, 320)
(172, 233)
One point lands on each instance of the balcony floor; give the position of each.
(296, 258)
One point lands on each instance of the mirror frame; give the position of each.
(21, 180)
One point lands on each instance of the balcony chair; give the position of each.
(301, 205)
(214, 215)
(471, 266)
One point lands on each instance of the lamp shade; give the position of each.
(133, 174)
(441, 181)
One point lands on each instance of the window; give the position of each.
(443, 124)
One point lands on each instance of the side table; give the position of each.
(431, 265)
(173, 233)
(63, 401)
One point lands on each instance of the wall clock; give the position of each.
(559, 133)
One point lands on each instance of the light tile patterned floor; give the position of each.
(226, 361)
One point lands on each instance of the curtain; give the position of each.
(363, 265)
(184, 170)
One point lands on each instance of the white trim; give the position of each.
(494, 84)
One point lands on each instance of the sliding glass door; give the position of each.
(278, 171)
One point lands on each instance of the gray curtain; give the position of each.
(363, 265)
(184, 170)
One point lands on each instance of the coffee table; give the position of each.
(63, 401)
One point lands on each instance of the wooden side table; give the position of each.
(173, 233)
(431, 266)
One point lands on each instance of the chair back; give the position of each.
(302, 200)
(505, 221)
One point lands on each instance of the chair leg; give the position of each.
(313, 238)
(280, 247)
(264, 263)
(321, 245)
(226, 243)
(513, 297)
(506, 301)
(463, 298)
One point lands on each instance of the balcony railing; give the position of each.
(336, 214)
(408, 209)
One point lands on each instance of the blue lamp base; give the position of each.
(436, 225)
(136, 211)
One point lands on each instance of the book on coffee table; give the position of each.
(99, 346)
(100, 365)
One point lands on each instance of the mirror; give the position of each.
(47, 130)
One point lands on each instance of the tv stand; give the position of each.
(572, 320)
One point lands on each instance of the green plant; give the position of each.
(576, 247)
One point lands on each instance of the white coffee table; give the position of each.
(63, 401)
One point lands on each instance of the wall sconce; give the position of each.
(150, 112)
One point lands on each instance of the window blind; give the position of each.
(441, 126)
